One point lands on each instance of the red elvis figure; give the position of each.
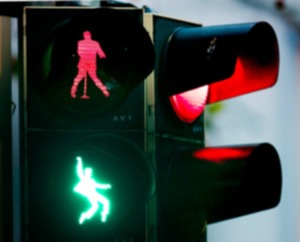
(88, 50)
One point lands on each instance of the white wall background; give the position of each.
(270, 115)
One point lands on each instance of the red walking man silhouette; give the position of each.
(88, 50)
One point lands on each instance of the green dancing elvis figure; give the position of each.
(87, 187)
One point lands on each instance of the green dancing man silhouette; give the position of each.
(87, 187)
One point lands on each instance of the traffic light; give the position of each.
(218, 62)
(110, 156)
(196, 66)
(212, 184)
(87, 173)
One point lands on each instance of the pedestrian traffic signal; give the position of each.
(87, 186)
(88, 176)
(84, 66)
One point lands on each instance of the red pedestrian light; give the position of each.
(88, 50)
(79, 66)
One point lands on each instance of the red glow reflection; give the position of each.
(189, 105)
(88, 50)
(247, 77)
(221, 155)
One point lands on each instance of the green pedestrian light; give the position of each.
(87, 187)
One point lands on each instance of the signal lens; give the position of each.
(189, 105)
(221, 155)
